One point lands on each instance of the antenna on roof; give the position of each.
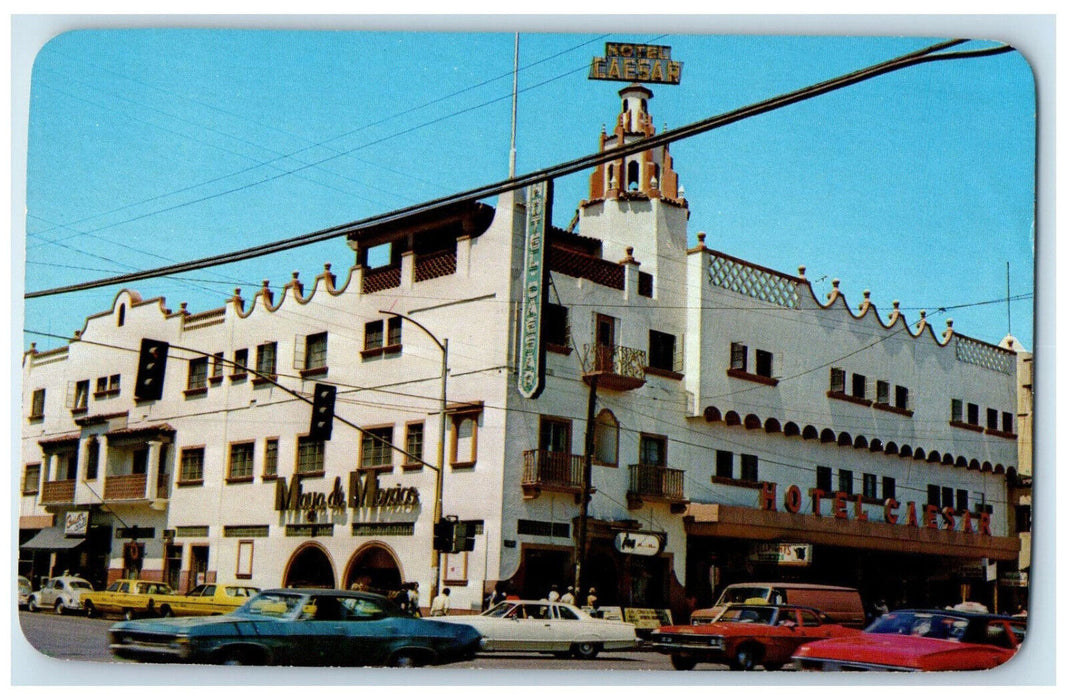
(514, 106)
(1008, 264)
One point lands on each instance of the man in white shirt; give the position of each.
(440, 604)
(568, 597)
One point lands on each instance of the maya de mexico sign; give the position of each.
(845, 507)
(363, 492)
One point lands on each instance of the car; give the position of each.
(61, 593)
(127, 597)
(920, 640)
(205, 599)
(559, 628)
(25, 589)
(745, 636)
(838, 603)
(299, 627)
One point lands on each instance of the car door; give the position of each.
(567, 628)
(48, 593)
(319, 637)
(371, 633)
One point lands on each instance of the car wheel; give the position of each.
(585, 650)
(165, 611)
(127, 614)
(746, 658)
(682, 662)
(405, 659)
(59, 607)
(31, 604)
(90, 610)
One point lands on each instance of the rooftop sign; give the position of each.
(642, 63)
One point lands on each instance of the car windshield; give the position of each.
(916, 624)
(499, 610)
(747, 613)
(77, 583)
(276, 605)
(742, 594)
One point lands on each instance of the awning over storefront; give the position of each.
(719, 520)
(52, 538)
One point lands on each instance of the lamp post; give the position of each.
(435, 561)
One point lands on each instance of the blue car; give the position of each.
(299, 627)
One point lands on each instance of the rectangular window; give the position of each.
(37, 405)
(946, 496)
(413, 442)
(661, 350)
(216, 365)
(1022, 518)
(902, 398)
(724, 464)
(270, 457)
(764, 363)
(991, 418)
(870, 486)
(92, 459)
(31, 479)
(889, 487)
(555, 325)
(267, 359)
(81, 395)
(1007, 422)
(961, 500)
(241, 456)
(881, 390)
(310, 455)
(373, 335)
(972, 414)
(192, 465)
(824, 479)
(933, 495)
(555, 435)
(376, 448)
(837, 380)
(859, 386)
(957, 410)
(315, 351)
(393, 326)
(113, 383)
(240, 361)
(749, 468)
(653, 450)
(739, 357)
(101, 385)
(844, 480)
(197, 374)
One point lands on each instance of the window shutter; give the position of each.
(70, 394)
(299, 351)
(679, 353)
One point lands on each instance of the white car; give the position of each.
(529, 625)
(25, 589)
(62, 594)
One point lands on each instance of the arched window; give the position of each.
(465, 421)
(606, 439)
(633, 175)
(122, 314)
(611, 175)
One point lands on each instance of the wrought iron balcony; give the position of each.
(650, 482)
(58, 491)
(615, 367)
(543, 470)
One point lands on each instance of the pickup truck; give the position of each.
(135, 598)
(127, 597)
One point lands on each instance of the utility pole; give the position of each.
(587, 477)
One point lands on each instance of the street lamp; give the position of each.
(435, 562)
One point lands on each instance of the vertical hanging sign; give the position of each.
(531, 344)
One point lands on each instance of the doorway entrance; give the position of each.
(310, 567)
(374, 568)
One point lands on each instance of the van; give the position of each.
(841, 605)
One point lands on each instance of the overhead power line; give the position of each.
(910, 59)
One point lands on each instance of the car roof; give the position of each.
(326, 591)
(787, 584)
(958, 613)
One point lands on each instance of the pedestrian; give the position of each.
(591, 598)
(880, 608)
(497, 596)
(553, 594)
(413, 599)
(568, 597)
(440, 604)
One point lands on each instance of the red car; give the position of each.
(920, 640)
(745, 636)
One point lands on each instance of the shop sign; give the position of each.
(531, 342)
(642, 544)
(364, 492)
(607, 612)
(76, 523)
(787, 554)
(647, 618)
(642, 63)
(850, 507)
(1015, 579)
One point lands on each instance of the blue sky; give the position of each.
(148, 147)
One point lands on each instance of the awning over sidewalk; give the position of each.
(52, 538)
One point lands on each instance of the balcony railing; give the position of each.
(58, 491)
(376, 280)
(551, 471)
(127, 487)
(615, 366)
(649, 482)
(431, 265)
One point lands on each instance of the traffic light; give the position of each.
(442, 535)
(151, 366)
(463, 537)
(322, 412)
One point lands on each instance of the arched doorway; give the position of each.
(374, 568)
(310, 567)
